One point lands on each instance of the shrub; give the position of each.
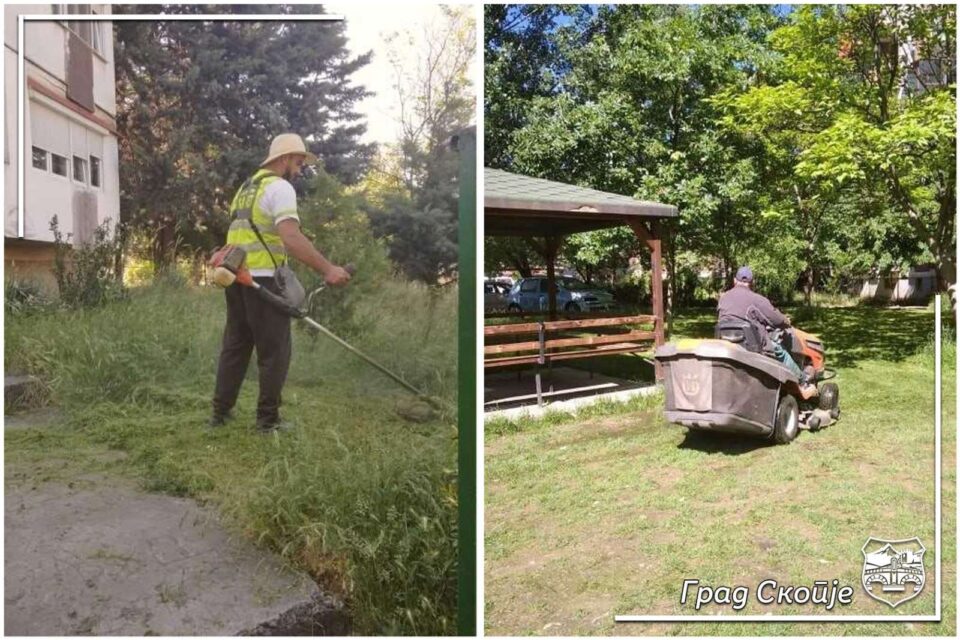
(85, 275)
(24, 297)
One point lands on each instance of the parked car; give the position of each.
(495, 296)
(573, 295)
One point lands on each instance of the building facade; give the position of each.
(70, 153)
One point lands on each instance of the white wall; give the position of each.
(10, 141)
(45, 45)
(59, 129)
(56, 130)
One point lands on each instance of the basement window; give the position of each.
(39, 158)
(79, 170)
(59, 165)
(94, 171)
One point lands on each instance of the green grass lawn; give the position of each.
(608, 512)
(357, 495)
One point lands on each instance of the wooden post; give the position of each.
(651, 237)
(551, 246)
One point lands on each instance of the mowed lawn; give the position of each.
(607, 513)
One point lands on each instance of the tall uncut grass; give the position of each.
(355, 495)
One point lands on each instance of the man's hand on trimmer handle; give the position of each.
(337, 276)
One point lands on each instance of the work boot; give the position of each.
(808, 391)
(274, 427)
(219, 419)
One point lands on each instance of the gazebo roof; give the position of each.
(516, 205)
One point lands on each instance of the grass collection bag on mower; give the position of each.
(719, 385)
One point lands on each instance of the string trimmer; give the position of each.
(229, 268)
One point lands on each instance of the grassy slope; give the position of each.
(607, 513)
(363, 499)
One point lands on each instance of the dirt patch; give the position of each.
(34, 419)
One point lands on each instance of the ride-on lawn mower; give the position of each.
(728, 384)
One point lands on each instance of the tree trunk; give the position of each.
(522, 265)
(164, 244)
(808, 285)
(120, 244)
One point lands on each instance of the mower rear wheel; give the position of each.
(830, 399)
(788, 420)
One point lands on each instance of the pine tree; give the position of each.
(198, 103)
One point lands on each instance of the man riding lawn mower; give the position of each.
(758, 375)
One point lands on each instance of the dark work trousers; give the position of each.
(253, 322)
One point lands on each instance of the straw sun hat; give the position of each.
(288, 143)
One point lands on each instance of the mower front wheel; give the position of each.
(830, 399)
(788, 420)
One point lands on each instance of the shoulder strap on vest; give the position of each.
(246, 213)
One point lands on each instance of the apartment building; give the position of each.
(70, 156)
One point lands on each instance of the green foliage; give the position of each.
(812, 126)
(25, 297)
(85, 274)
(775, 259)
(395, 520)
(199, 102)
(415, 188)
(631, 116)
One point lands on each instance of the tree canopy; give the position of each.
(199, 102)
(815, 142)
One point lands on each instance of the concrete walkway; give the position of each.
(111, 560)
(513, 394)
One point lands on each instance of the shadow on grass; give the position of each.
(850, 334)
(727, 444)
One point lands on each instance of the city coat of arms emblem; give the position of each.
(893, 569)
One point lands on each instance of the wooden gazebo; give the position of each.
(525, 207)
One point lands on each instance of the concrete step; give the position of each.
(108, 559)
(20, 392)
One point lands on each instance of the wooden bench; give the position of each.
(542, 343)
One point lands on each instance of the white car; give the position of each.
(495, 296)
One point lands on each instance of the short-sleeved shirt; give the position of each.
(279, 201)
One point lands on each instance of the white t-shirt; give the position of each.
(279, 201)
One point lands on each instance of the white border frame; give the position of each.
(22, 19)
(938, 612)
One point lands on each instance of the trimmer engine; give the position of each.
(227, 263)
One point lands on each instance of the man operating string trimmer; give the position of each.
(266, 226)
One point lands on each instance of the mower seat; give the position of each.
(740, 332)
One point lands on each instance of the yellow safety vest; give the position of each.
(246, 208)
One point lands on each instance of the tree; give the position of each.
(198, 103)
(899, 130)
(840, 118)
(436, 101)
(816, 142)
(626, 110)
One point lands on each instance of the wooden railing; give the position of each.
(546, 341)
